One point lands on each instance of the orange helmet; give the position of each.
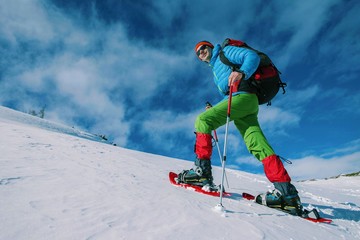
(206, 43)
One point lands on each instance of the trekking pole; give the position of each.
(225, 144)
(217, 146)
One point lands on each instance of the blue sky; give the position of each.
(127, 70)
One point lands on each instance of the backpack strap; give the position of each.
(245, 85)
(226, 61)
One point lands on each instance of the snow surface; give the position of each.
(60, 183)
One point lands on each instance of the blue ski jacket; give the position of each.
(247, 60)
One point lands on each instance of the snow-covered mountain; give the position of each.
(60, 183)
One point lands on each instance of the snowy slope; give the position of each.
(56, 184)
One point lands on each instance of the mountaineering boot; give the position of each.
(284, 196)
(289, 193)
(199, 175)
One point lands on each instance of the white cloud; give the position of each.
(169, 122)
(248, 160)
(164, 129)
(298, 98)
(82, 73)
(316, 167)
(277, 119)
(25, 19)
(303, 20)
(341, 45)
(351, 147)
(287, 110)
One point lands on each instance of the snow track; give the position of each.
(56, 185)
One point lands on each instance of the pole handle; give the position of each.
(230, 99)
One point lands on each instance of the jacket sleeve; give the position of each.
(247, 59)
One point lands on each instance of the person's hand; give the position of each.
(235, 78)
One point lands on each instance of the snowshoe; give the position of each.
(200, 175)
(284, 196)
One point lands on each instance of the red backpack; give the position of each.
(265, 82)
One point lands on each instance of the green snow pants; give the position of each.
(244, 111)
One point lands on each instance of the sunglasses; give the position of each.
(203, 47)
